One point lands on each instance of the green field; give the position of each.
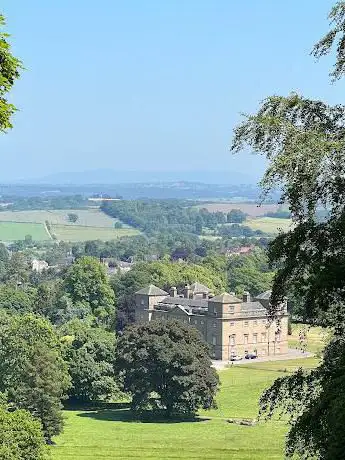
(78, 233)
(115, 433)
(13, 231)
(270, 225)
(92, 224)
(87, 217)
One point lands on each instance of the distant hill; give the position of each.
(107, 176)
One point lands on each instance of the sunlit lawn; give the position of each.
(316, 337)
(114, 433)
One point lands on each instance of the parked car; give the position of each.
(251, 356)
(235, 358)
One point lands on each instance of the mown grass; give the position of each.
(115, 433)
(316, 337)
(14, 231)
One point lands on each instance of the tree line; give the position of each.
(153, 216)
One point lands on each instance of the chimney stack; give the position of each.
(187, 291)
(246, 296)
(173, 291)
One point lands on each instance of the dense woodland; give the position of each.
(160, 216)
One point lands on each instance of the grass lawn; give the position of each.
(13, 231)
(78, 233)
(269, 225)
(114, 433)
(316, 337)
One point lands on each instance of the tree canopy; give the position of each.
(9, 72)
(304, 141)
(86, 283)
(334, 38)
(90, 353)
(21, 436)
(33, 374)
(175, 362)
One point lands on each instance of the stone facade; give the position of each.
(231, 326)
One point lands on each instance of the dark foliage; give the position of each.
(174, 361)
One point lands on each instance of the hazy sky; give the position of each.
(153, 84)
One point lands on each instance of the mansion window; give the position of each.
(246, 337)
(201, 322)
(195, 321)
(231, 309)
(214, 324)
(264, 321)
(142, 302)
(214, 340)
(255, 338)
(255, 323)
(232, 339)
(278, 336)
(232, 323)
(263, 337)
(246, 323)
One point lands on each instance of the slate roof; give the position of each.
(225, 298)
(198, 303)
(200, 288)
(264, 296)
(152, 290)
(255, 308)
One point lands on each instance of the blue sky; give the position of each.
(153, 85)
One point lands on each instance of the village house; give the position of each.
(231, 326)
(39, 265)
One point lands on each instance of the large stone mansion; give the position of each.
(231, 326)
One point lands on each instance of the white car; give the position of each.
(235, 358)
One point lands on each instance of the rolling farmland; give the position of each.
(13, 231)
(92, 224)
(75, 233)
(269, 225)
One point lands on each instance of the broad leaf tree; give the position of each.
(21, 436)
(32, 371)
(87, 286)
(304, 141)
(10, 68)
(170, 360)
(90, 353)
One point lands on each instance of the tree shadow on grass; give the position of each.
(120, 412)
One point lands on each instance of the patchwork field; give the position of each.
(13, 231)
(270, 225)
(86, 217)
(75, 233)
(252, 209)
(115, 433)
(92, 224)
